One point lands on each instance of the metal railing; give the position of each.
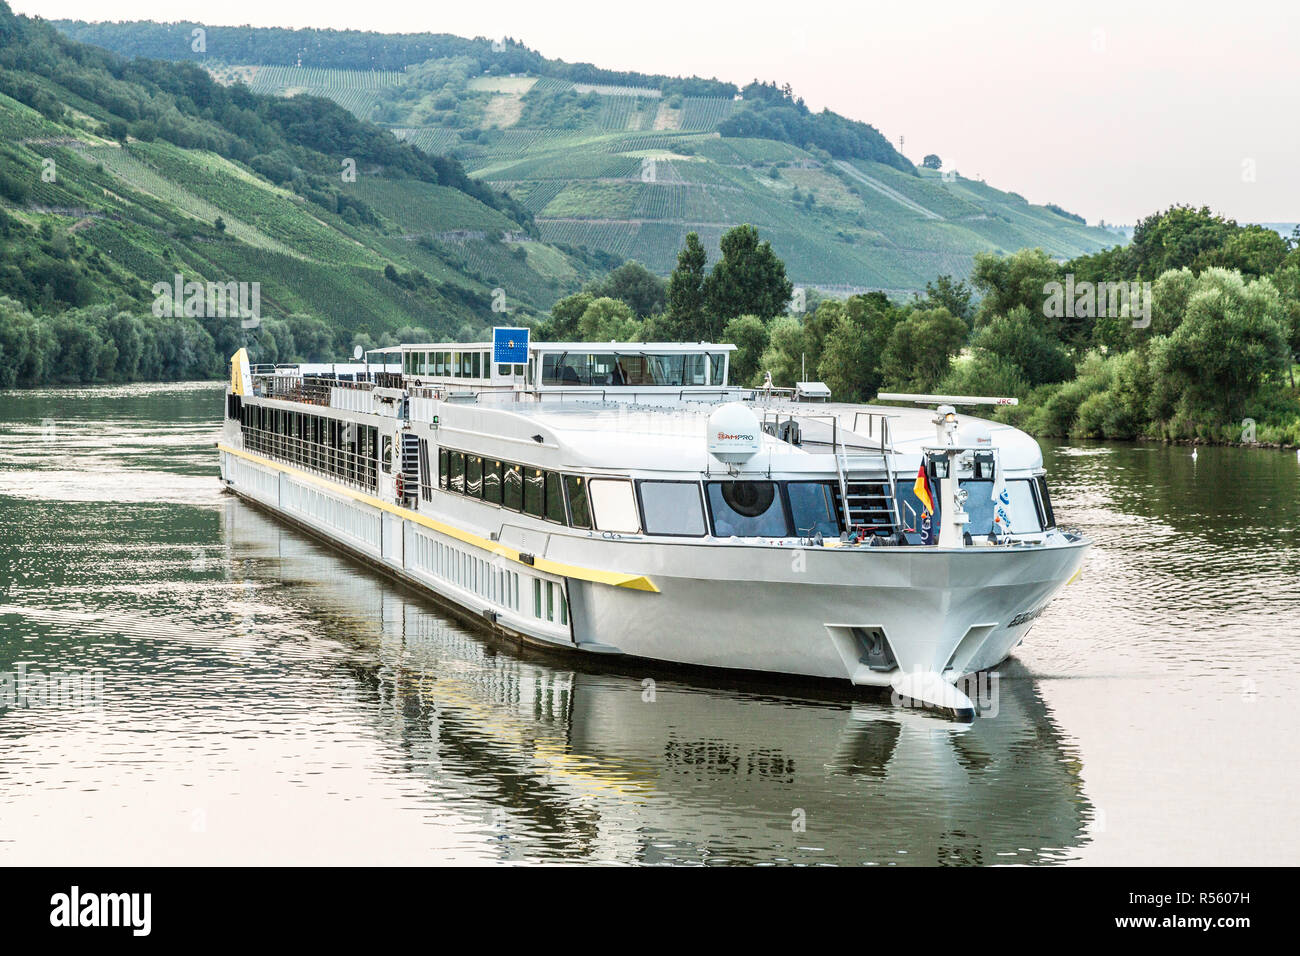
(623, 393)
(342, 465)
(311, 390)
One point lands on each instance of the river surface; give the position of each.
(193, 683)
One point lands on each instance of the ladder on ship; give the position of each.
(866, 487)
(866, 502)
(410, 465)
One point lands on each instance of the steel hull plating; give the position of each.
(803, 613)
(762, 608)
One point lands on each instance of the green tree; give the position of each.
(1176, 238)
(920, 349)
(1006, 282)
(932, 161)
(1231, 341)
(786, 345)
(749, 279)
(565, 316)
(1287, 282)
(1022, 339)
(1254, 251)
(955, 295)
(854, 346)
(1169, 295)
(686, 299)
(607, 320)
(632, 283)
(750, 336)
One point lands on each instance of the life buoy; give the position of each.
(400, 483)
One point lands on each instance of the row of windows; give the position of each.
(532, 491)
(345, 450)
(454, 365)
(772, 509)
(739, 508)
(614, 369)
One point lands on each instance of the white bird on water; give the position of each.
(1193, 454)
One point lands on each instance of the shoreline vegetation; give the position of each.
(1208, 357)
(1189, 332)
(1196, 341)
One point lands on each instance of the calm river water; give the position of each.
(230, 691)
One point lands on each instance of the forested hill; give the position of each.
(628, 164)
(117, 175)
(769, 111)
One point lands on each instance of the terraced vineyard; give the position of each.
(145, 211)
(628, 169)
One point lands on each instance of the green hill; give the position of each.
(116, 175)
(626, 163)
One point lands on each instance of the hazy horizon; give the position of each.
(1112, 114)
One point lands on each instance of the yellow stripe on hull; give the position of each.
(618, 579)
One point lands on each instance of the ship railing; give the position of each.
(346, 467)
(624, 393)
(787, 424)
(309, 390)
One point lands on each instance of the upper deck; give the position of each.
(558, 367)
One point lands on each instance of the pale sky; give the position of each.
(1112, 108)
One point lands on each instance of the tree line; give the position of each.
(360, 50)
(1216, 352)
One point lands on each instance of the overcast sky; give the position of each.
(1112, 109)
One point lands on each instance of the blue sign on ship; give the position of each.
(509, 346)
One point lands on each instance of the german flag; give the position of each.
(922, 490)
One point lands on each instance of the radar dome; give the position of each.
(734, 434)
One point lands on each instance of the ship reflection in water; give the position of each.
(545, 759)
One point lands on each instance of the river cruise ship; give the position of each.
(623, 499)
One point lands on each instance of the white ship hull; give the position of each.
(799, 612)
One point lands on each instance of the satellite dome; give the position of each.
(734, 434)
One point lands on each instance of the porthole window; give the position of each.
(747, 508)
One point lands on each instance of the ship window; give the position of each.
(1045, 503)
(492, 481)
(613, 506)
(444, 468)
(458, 472)
(672, 507)
(503, 369)
(1024, 510)
(554, 499)
(475, 360)
(537, 598)
(534, 492)
(514, 487)
(744, 508)
(979, 505)
(578, 508)
(812, 506)
(474, 476)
